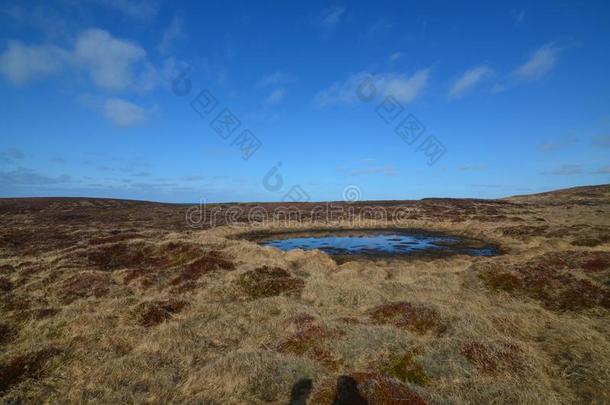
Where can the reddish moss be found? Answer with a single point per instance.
(324, 357)
(501, 280)
(26, 366)
(379, 389)
(144, 255)
(581, 294)
(588, 242)
(525, 231)
(596, 264)
(302, 320)
(152, 313)
(551, 279)
(416, 318)
(116, 256)
(30, 270)
(350, 320)
(309, 342)
(407, 369)
(305, 339)
(203, 265)
(133, 274)
(269, 282)
(114, 238)
(85, 285)
(178, 253)
(492, 359)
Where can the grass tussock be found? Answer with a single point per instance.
(270, 282)
(152, 313)
(83, 285)
(414, 317)
(494, 358)
(194, 270)
(406, 368)
(311, 341)
(29, 365)
(560, 281)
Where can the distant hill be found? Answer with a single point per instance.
(593, 193)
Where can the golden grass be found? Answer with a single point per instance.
(139, 309)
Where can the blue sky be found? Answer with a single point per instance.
(105, 98)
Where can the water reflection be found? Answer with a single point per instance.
(379, 242)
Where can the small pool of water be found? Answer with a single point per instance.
(379, 243)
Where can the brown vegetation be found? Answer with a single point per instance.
(491, 359)
(152, 313)
(269, 282)
(559, 280)
(417, 318)
(120, 302)
(368, 388)
(29, 365)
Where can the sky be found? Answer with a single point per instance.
(293, 101)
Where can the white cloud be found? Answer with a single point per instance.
(42, 17)
(554, 145)
(26, 177)
(389, 171)
(138, 9)
(124, 113)
(540, 63)
(332, 16)
(112, 63)
(404, 89)
(518, 16)
(566, 170)
(174, 31)
(275, 79)
(469, 80)
(276, 96)
(379, 28)
(395, 56)
(21, 63)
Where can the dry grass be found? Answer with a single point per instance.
(269, 282)
(113, 301)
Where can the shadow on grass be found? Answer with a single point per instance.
(347, 392)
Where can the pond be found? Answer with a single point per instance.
(379, 243)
